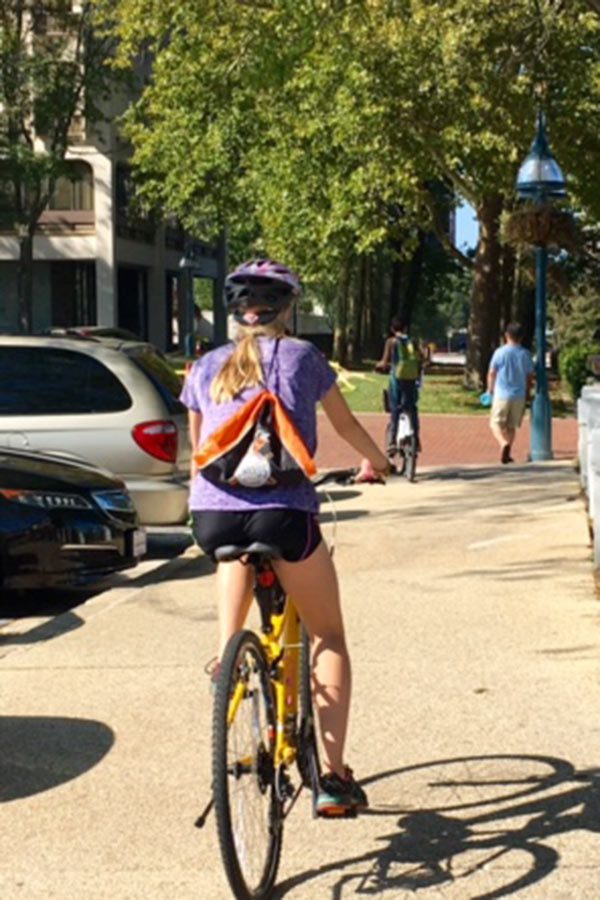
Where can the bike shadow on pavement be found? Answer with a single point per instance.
(329, 511)
(482, 826)
(38, 753)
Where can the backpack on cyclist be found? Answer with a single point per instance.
(406, 364)
(258, 447)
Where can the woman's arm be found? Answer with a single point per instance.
(349, 428)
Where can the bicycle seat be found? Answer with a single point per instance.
(230, 552)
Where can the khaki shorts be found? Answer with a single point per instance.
(507, 414)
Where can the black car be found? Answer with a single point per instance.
(62, 522)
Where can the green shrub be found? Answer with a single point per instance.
(574, 367)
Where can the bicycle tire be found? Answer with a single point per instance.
(401, 467)
(410, 457)
(309, 765)
(248, 812)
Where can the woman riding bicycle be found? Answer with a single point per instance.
(260, 295)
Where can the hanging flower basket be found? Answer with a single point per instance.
(541, 225)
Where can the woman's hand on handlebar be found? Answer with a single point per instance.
(370, 474)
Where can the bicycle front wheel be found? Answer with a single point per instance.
(248, 812)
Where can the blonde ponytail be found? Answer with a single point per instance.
(243, 369)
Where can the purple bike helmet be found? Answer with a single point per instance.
(260, 282)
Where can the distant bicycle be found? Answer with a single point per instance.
(407, 445)
(404, 442)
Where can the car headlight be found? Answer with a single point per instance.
(46, 499)
(114, 501)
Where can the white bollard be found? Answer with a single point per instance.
(594, 490)
(583, 413)
(588, 407)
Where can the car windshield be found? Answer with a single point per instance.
(161, 375)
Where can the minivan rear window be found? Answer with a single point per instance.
(52, 381)
(162, 376)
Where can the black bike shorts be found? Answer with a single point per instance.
(296, 533)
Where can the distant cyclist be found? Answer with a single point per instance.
(260, 295)
(403, 359)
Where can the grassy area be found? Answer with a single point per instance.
(442, 392)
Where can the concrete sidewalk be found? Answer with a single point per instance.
(475, 636)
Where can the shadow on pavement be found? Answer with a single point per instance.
(61, 624)
(520, 571)
(342, 515)
(21, 604)
(481, 820)
(477, 473)
(197, 567)
(39, 753)
(168, 544)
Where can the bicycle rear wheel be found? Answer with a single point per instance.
(308, 753)
(248, 812)
(410, 457)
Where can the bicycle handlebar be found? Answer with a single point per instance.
(344, 476)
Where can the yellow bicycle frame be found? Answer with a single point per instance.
(282, 648)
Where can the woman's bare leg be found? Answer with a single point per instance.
(234, 596)
(313, 585)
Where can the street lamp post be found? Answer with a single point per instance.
(186, 312)
(540, 178)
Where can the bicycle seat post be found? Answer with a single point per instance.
(264, 591)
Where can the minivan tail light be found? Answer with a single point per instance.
(157, 438)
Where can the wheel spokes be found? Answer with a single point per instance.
(250, 767)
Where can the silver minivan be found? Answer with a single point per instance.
(111, 402)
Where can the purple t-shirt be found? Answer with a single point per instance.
(300, 376)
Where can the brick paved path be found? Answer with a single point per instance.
(447, 440)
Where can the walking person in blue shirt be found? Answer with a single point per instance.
(509, 381)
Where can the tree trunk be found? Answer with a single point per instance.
(396, 282)
(25, 281)
(372, 318)
(381, 311)
(484, 320)
(507, 285)
(415, 271)
(340, 330)
(357, 303)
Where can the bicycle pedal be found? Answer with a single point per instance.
(338, 814)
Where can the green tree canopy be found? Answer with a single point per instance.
(326, 124)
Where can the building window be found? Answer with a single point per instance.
(131, 222)
(73, 293)
(75, 189)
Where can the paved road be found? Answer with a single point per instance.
(475, 636)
